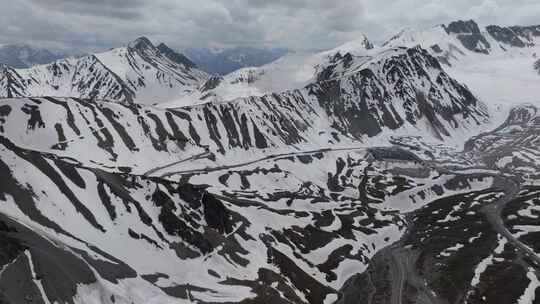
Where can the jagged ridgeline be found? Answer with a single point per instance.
(139, 72)
(451, 42)
(354, 100)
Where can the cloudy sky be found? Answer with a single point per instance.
(296, 24)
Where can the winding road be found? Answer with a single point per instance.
(233, 166)
(493, 212)
(401, 260)
(194, 157)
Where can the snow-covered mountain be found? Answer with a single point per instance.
(361, 174)
(400, 91)
(223, 61)
(496, 63)
(25, 56)
(121, 203)
(452, 41)
(292, 71)
(138, 72)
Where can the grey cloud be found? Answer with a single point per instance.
(298, 24)
(110, 8)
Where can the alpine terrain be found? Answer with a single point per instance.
(139, 72)
(404, 172)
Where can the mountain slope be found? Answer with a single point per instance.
(295, 228)
(86, 76)
(151, 74)
(292, 71)
(139, 72)
(400, 91)
(175, 57)
(77, 234)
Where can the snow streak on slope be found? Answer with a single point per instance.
(139, 72)
(77, 233)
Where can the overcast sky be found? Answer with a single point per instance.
(296, 24)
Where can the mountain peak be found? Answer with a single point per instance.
(462, 27)
(366, 42)
(141, 43)
(358, 45)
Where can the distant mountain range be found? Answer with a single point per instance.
(142, 72)
(448, 42)
(224, 61)
(25, 56)
(214, 61)
(138, 72)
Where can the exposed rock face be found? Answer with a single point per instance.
(505, 35)
(365, 93)
(175, 56)
(470, 36)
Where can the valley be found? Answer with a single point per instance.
(406, 172)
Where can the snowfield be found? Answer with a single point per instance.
(139, 178)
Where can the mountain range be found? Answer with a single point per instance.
(406, 172)
(25, 56)
(138, 72)
(223, 61)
